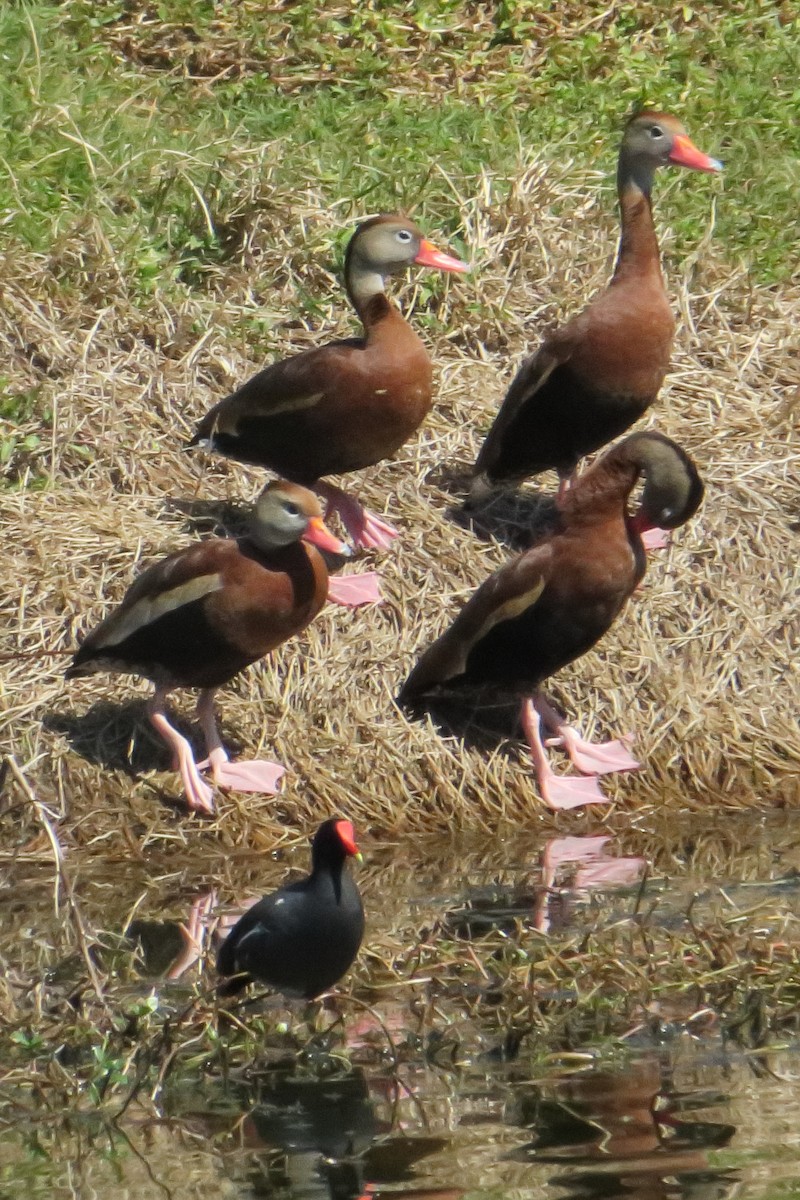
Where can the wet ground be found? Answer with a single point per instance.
(677, 1106)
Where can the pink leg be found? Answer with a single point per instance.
(564, 484)
(255, 776)
(589, 758)
(558, 791)
(655, 539)
(366, 529)
(195, 934)
(198, 793)
(354, 590)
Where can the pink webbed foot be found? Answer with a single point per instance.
(351, 591)
(366, 530)
(558, 791)
(655, 539)
(569, 791)
(596, 759)
(257, 775)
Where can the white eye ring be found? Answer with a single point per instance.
(291, 508)
(403, 235)
(656, 131)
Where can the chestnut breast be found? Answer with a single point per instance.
(626, 340)
(593, 571)
(266, 598)
(337, 409)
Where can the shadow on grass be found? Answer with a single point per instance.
(516, 519)
(486, 724)
(115, 736)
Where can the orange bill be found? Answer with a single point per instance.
(319, 535)
(684, 153)
(429, 256)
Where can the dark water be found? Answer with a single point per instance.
(684, 1116)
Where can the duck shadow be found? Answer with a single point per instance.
(218, 518)
(485, 726)
(118, 737)
(114, 736)
(515, 518)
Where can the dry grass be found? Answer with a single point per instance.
(700, 666)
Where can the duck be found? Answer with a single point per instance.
(555, 601)
(201, 615)
(594, 376)
(302, 938)
(348, 404)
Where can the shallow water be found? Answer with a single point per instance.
(676, 1115)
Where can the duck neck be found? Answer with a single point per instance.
(599, 494)
(366, 291)
(638, 255)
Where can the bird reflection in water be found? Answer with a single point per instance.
(619, 1133)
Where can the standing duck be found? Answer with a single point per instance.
(551, 604)
(201, 615)
(302, 938)
(593, 377)
(346, 405)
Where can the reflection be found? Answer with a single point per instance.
(304, 1138)
(623, 1136)
(596, 869)
(170, 948)
(570, 866)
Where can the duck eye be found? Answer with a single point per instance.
(292, 509)
(403, 235)
(656, 131)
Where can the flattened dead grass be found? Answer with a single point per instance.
(701, 666)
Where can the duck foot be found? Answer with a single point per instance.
(199, 796)
(366, 530)
(590, 758)
(258, 775)
(558, 791)
(655, 538)
(355, 590)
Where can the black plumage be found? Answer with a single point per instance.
(302, 938)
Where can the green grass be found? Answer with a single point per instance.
(373, 110)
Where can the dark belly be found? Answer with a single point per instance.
(562, 422)
(305, 447)
(179, 649)
(517, 656)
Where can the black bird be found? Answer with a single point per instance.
(302, 938)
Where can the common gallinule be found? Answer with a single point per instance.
(302, 938)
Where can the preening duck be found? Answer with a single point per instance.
(551, 604)
(594, 376)
(201, 615)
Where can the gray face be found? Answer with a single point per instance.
(672, 487)
(388, 247)
(652, 138)
(278, 518)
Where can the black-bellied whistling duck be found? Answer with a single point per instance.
(201, 615)
(593, 377)
(346, 405)
(302, 938)
(551, 604)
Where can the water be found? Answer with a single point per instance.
(681, 1113)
